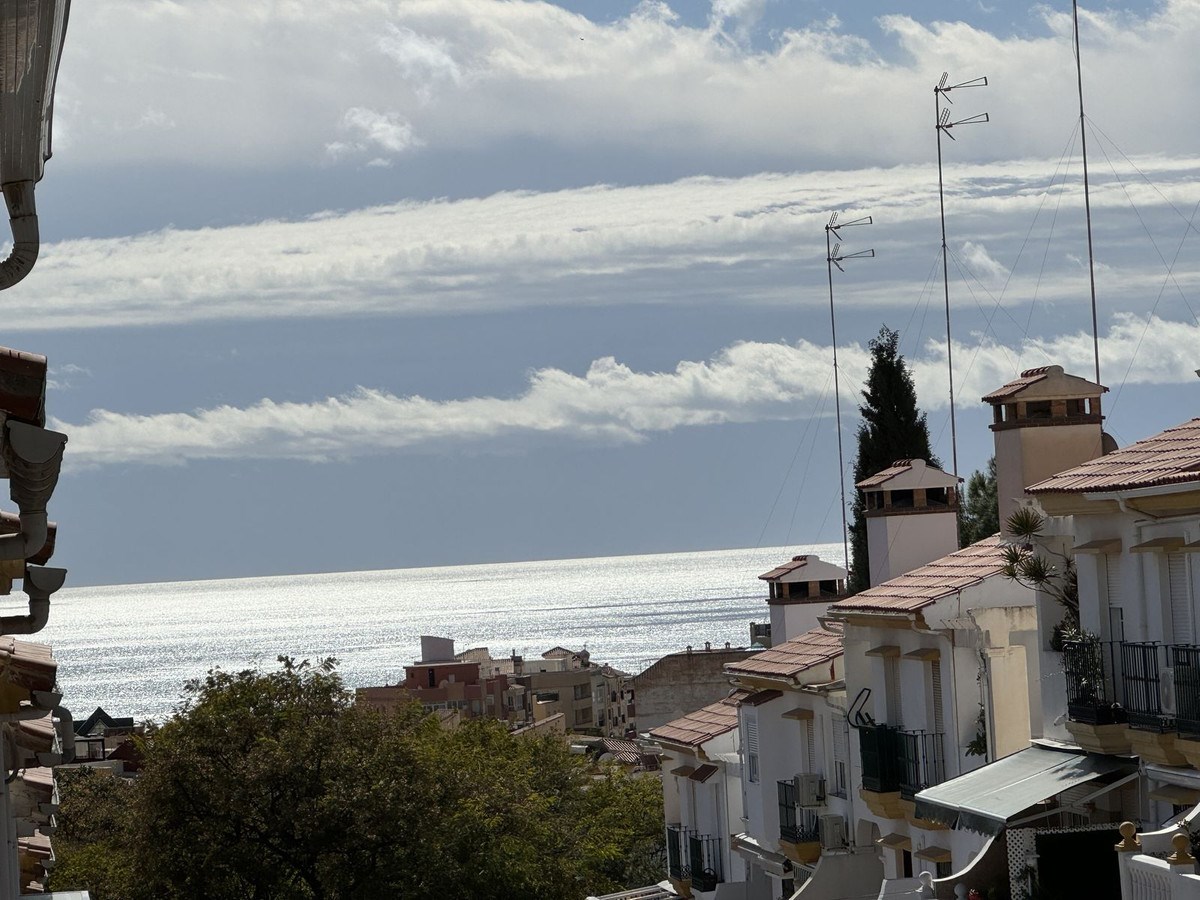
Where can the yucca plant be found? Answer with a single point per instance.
(1037, 567)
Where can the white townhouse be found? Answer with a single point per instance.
(1132, 684)
(796, 774)
(702, 798)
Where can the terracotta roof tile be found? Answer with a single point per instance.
(929, 583)
(813, 648)
(1028, 377)
(899, 467)
(703, 725)
(1170, 457)
(798, 562)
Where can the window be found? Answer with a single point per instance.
(942, 870)
(752, 750)
(1182, 625)
(841, 740)
(810, 747)
(891, 682)
(432, 678)
(935, 694)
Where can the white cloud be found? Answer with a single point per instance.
(746, 382)
(373, 131)
(464, 73)
(980, 262)
(742, 240)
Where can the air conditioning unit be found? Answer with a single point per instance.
(810, 789)
(832, 829)
(1166, 683)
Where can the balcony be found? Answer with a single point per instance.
(880, 750)
(677, 850)
(1141, 667)
(894, 760)
(922, 761)
(1088, 666)
(705, 858)
(1185, 661)
(796, 823)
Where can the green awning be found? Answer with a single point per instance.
(986, 799)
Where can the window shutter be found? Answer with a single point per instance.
(810, 736)
(1182, 630)
(935, 683)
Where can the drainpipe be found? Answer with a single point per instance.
(33, 457)
(22, 219)
(39, 583)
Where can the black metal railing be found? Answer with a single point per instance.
(796, 824)
(879, 746)
(678, 866)
(1088, 667)
(922, 761)
(1141, 665)
(1185, 660)
(705, 858)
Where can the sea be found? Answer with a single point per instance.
(131, 648)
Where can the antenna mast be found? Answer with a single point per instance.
(835, 257)
(1087, 196)
(943, 124)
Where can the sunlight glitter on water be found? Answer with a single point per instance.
(130, 648)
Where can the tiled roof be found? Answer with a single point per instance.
(798, 562)
(813, 648)
(1033, 376)
(899, 467)
(1170, 457)
(703, 725)
(1028, 377)
(925, 585)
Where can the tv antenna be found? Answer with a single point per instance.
(943, 124)
(1087, 197)
(835, 257)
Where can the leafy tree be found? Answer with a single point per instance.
(980, 510)
(892, 428)
(275, 785)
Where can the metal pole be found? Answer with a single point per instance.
(837, 399)
(1087, 200)
(937, 107)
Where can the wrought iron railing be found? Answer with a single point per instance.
(879, 746)
(922, 761)
(705, 858)
(1088, 667)
(678, 863)
(796, 824)
(1141, 669)
(1185, 661)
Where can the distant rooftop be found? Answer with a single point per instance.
(701, 726)
(786, 660)
(1052, 380)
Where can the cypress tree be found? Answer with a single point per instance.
(892, 428)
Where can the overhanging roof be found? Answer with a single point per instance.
(986, 799)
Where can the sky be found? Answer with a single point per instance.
(391, 283)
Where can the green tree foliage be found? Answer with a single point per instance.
(275, 785)
(892, 428)
(980, 510)
(1036, 566)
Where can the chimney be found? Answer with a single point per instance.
(911, 510)
(800, 593)
(1044, 422)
